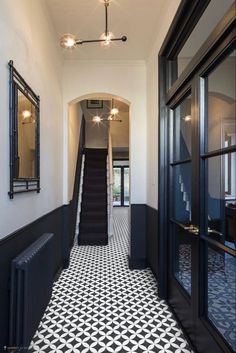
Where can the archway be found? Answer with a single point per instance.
(117, 140)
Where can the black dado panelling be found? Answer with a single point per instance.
(14, 244)
(137, 252)
(152, 239)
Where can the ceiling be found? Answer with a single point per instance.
(137, 19)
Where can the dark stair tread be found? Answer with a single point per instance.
(97, 213)
(92, 207)
(95, 183)
(97, 162)
(93, 227)
(100, 162)
(96, 190)
(93, 214)
(91, 197)
(95, 178)
(94, 203)
(95, 151)
(95, 173)
(92, 219)
(94, 193)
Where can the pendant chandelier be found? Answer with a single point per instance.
(112, 115)
(69, 41)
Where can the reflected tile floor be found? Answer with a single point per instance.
(99, 305)
(221, 289)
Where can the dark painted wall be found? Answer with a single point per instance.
(14, 244)
(137, 251)
(152, 239)
(144, 238)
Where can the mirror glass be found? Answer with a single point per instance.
(25, 159)
(24, 114)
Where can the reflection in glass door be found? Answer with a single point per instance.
(219, 233)
(181, 196)
(203, 173)
(121, 186)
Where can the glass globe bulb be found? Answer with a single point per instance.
(187, 118)
(106, 39)
(26, 114)
(97, 119)
(114, 111)
(68, 41)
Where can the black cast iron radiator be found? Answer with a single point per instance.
(31, 289)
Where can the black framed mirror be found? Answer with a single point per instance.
(24, 136)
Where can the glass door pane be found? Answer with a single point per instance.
(221, 293)
(181, 194)
(182, 203)
(221, 96)
(126, 186)
(183, 254)
(117, 187)
(182, 130)
(220, 198)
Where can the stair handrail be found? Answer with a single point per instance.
(110, 185)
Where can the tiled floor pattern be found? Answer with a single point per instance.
(98, 305)
(221, 302)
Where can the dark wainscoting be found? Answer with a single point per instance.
(152, 239)
(54, 222)
(143, 240)
(137, 251)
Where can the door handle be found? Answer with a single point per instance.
(190, 228)
(209, 230)
(193, 229)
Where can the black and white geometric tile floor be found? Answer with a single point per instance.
(98, 305)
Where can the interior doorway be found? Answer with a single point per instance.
(106, 128)
(121, 184)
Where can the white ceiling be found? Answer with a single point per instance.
(137, 19)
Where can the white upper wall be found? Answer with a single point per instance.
(167, 14)
(28, 38)
(120, 131)
(125, 79)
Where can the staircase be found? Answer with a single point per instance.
(93, 215)
(185, 198)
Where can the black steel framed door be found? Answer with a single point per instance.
(197, 179)
(202, 204)
(183, 223)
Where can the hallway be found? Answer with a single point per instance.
(99, 305)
